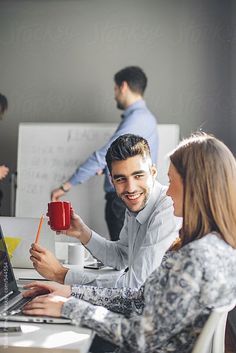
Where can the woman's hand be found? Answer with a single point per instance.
(49, 305)
(39, 288)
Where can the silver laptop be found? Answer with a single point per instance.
(26, 229)
(11, 299)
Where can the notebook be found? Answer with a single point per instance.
(11, 299)
(26, 229)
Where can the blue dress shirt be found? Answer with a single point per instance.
(136, 119)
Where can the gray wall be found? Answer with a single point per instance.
(232, 38)
(231, 35)
(58, 59)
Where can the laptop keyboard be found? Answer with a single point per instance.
(16, 308)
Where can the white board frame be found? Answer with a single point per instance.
(48, 154)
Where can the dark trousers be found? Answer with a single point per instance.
(114, 214)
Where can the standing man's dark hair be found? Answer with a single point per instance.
(127, 146)
(135, 78)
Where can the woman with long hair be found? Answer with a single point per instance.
(196, 275)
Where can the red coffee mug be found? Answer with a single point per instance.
(59, 213)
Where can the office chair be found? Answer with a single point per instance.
(212, 336)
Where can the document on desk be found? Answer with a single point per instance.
(26, 274)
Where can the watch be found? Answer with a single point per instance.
(62, 188)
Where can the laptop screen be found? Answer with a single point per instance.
(7, 278)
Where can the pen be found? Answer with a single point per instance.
(39, 229)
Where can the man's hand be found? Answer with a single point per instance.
(47, 264)
(49, 305)
(38, 288)
(56, 194)
(3, 171)
(78, 229)
(100, 172)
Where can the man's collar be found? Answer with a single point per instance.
(138, 104)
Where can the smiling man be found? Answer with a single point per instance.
(149, 228)
(132, 171)
(133, 186)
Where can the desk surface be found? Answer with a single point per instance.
(37, 338)
(41, 337)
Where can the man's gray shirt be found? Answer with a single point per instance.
(144, 239)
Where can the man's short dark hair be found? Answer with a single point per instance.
(3, 103)
(135, 78)
(126, 146)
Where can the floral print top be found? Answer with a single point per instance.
(169, 311)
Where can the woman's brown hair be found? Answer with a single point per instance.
(208, 171)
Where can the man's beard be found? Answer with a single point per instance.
(119, 105)
(143, 205)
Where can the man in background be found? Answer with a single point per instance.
(130, 85)
(3, 105)
(3, 169)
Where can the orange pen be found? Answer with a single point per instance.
(39, 229)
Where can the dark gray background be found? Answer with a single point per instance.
(58, 59)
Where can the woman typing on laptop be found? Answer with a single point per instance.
(198, 274)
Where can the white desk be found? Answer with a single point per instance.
(37, 338)
(43, 337)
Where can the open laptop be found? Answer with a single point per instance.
(26, 229)
(11, 299)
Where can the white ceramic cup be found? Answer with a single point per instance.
(61, 250)
(76, 255)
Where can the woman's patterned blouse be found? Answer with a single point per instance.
(169, 311)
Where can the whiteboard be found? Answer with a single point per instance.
(49, 153)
